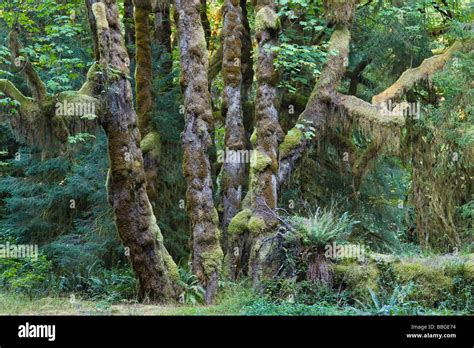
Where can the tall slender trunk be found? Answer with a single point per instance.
(207, 253)
(93, 27)
(233, 171)
(163, 36)
(128, 16)
(264, 169)
(136, 224)
(251, 226)
(150, 143)
(205, 21)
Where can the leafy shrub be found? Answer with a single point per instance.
(323, 227)
(27, 276)
(193, 293)
(267, 307)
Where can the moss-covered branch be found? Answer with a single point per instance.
(10, 90)
(423, 72)
(35, 84)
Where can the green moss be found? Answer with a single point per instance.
(259, 161)
(256, 225)
(266, 19)
(151, 143)
(239, 222)
(171, 267)
(291, 141)
(212, 260)
(253, 138)
(358, 278)
(431, 283)
(215, 217)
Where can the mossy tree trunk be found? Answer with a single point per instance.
(163, 36)
(136, 224)
(150, 143)
(207, 253)
(205, 21)
(233, 171)
(128, 21)
(251, 226)
(92, 25)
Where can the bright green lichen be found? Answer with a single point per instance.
(256, 225)
(291, 141)
(253, 138)
(259, 161)
(239, 222)
(212, 261)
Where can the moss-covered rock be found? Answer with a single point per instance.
(359, 278)
(433, 279)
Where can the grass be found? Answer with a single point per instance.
(230, 302)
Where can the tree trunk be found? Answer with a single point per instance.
(93, 27)
(128, 16)
(163, 37)
(233, 171)
(134, 217)
(150, 143)
(207, 253)
(205, 21)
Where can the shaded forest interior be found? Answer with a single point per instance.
(265, 156)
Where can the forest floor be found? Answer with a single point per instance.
(12, 304)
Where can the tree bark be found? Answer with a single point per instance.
(233, 171)
(150, 144)
(136, 224)
(163, 36)
(93, 27)
(207, 252)
(128, 21)
(205, 21)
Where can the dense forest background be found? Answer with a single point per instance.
(281, 75)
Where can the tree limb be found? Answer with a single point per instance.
(35, 84)
(423, 72)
